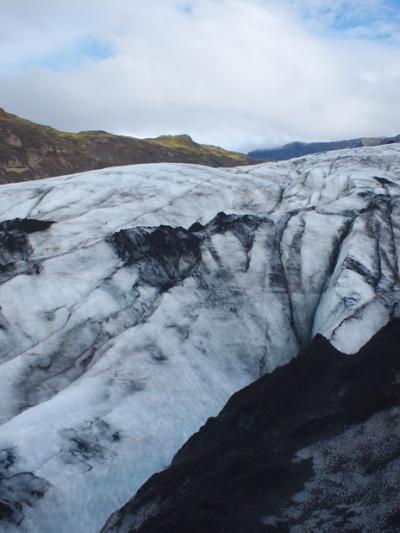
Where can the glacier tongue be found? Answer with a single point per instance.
(147, 295)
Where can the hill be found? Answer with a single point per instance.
(31, 151)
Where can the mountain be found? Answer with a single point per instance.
(136, 300)
(31, 151)
(298, 149)
(314, 446)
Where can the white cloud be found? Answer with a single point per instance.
(238, 73)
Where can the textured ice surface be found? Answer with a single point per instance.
(158, 291)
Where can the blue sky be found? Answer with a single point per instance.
(66, 56)
(369, 20)
(379, 23)
(71, 56)
(240, 73)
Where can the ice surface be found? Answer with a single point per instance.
(114, 350)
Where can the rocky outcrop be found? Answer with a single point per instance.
(31, 151)
(314, 446)
(15, 248)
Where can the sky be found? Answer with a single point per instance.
(237, 73)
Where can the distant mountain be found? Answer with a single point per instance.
(31, 151)
(298, 149)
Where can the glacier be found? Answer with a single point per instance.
(136, 300)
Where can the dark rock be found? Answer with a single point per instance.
(196, 227)
(314, 446)
(14, 241)
(25, 225)
(164, 255)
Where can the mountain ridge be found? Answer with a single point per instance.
(299, 149)
(31, 151)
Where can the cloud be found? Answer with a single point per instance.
(240, 73)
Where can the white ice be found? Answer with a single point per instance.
(103, 378)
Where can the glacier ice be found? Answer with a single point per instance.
(148, 294)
